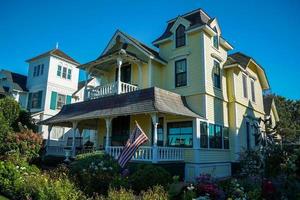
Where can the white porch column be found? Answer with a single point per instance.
(196, 140)
(74, 128)
(140, 73)
(49, 132)
(154, 146)
(119, 65)
(85, 94)
(108, 131)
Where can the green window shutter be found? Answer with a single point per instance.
(53, 100)
(69, 98)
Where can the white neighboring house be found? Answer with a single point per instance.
(14, 85)
(52, 80)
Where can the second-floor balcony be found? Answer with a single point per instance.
(117, 87)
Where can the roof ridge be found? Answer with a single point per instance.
(189, 13)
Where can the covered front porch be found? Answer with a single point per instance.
(163, 116)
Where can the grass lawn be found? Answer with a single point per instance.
(3, 198)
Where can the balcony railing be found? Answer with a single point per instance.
(110, 89)
(146, 153)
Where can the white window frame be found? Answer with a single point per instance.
(62, 103)
(245, 87)
(252, 87)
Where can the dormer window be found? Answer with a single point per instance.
(180, 36)
(216, 39)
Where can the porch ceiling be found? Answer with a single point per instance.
(148, 100)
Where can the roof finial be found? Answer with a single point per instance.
(56, 47)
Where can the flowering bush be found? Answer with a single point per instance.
(236, 190)
(27, 182)
(95, 172)
(27, 143)
(206, 185)
(155, 193)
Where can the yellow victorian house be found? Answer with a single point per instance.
(198, 104)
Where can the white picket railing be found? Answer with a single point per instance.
(145, 153)
(110, 89)
(170, 154)
(126, 87)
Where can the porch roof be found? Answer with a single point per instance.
(148, 100)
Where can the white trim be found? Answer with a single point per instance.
(187, 72)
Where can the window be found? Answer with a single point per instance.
(216, 39)
(245, 86)
(42, 69)
(180, 73)
(180, 36)
(64, 73)
(69, 74)
(217, 74)
(215, 136)
(38, 70)
(225, 138)
(252, 91)
(58, 73)
(203, 136)
(57, 133)
(35, 100)
(61, 101)
(180, 134)
(34, 71)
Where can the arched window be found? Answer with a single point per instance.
(216, 39)
(180, 36)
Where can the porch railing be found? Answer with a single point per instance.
(145, 153)
(110, 89)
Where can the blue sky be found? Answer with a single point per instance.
(266, 30)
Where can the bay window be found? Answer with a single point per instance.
(180, 134)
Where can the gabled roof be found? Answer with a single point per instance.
(148, 50)
(54, 52)
(196, 17)
(148, 100)
(242, 60)
(18, 80)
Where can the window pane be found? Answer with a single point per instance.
(245, 86)
(38, 70)
(64, 73)
(252, 91)
(69, 74)
(203, 135)
(180, 36)
(226, 137)
(42, 69)
(217, 74)
(58, 70)
(34, 71)
(180, 134)
(61, 101)
(216, 41)
(180, 73)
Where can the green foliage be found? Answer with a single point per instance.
(26, 120)
(155, 193)
(10, 109)
(121, 194)
(251, 162)
(5, 130)
(95, 172)
(148, 176)
(27, 182)
(289, 115)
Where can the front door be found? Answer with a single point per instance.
(120, 130)
(125, 73)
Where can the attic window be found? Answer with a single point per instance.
(180, 36)
(216, 38)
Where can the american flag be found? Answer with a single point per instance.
(136, 139)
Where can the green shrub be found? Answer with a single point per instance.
(27, 182)
(27, 143)
(26, 120)
(95, 172)
(148, 176)
(155, 193)
(10, 109)
(121, 194)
